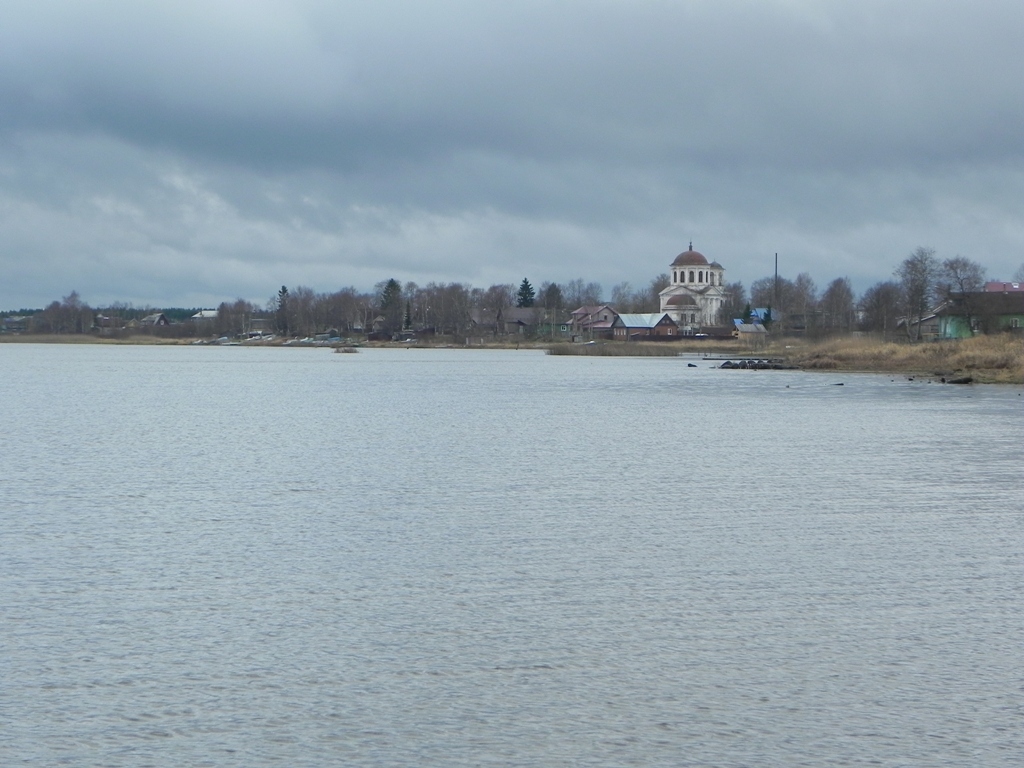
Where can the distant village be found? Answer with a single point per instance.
(927, 299)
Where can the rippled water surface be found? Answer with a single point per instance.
(255, 557)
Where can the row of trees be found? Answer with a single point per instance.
(919, 283)
(445, 307)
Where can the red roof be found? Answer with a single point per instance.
(682, 300)
(690, 258)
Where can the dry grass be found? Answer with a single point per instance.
(86, 338)
(615, 349)
(998, 358)
(992, 359)
(647, 348)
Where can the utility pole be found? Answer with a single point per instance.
(775, 291)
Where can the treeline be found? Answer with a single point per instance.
(72, 315)
(443, 308)
(920, 283)
(797, 306)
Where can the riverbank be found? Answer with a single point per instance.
(986, 359)
(86, 338)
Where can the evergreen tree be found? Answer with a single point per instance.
(747, 314)
(526, 295)
(391, 305)
(282, 310)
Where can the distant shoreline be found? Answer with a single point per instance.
(997, 359)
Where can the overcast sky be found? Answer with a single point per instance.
(186, 153)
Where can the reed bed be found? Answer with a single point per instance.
(617, 349)
(998, 358)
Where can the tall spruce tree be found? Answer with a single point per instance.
(526, 295)
(391, 305)
(281, 315)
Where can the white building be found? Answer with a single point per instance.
(695, 292)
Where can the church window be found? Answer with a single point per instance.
(700, 277)
(691, 275)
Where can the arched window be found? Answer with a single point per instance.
(675, 277)
(700, 277)
(691, 275)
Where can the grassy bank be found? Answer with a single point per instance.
(987, 359)
(86, 338)
(615, 349)
(648, 348)
(993, 359)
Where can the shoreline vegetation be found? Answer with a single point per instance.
(995, 359)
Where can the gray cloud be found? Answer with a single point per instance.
(196, 152)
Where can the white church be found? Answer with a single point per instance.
(696, 291)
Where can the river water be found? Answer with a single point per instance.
(281, 557)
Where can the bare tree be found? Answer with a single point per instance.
(498, 297)
(917, 275)
(550, 297)
(837, 306)
(880, 307)
(343, 309)
(652, 302)
(1018, 276)
(579, 294)
(302, 311)
(959, 275)
(776, 294)
(959, 280)
(551, 302)
(622, 297)
(234, 318)
(447, 307)
(805, 302)
(734, 303)
(69, 315)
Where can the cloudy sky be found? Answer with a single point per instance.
(183, 153)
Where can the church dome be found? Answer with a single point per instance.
(690, 258)
(716, 265)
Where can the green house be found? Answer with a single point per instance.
(965, 315)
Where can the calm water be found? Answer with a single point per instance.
(255, 557)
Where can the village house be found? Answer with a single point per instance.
(649, 325)
(519, 321)
(204, 319)
(981, 312)
(15, 324)
(157, 319)
(753, 335)
(593, 322)
(995, 286)
(927, 329)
